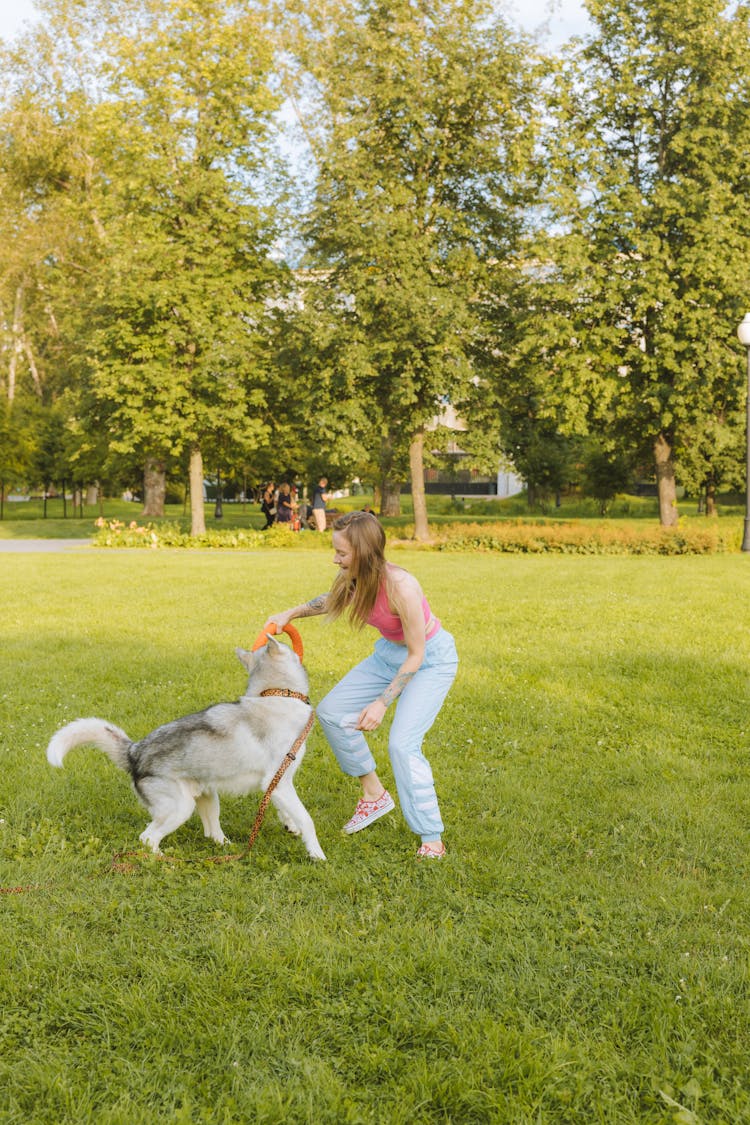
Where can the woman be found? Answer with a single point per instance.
(414, 661)
(268, 505)
(284, 504)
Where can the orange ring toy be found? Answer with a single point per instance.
(273, 629)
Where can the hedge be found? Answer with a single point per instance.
(518, 537)
(510, 537)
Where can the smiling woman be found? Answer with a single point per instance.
(414, 662)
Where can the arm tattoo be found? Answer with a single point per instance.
(314, 607)
(394, 689)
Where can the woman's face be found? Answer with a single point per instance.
(343, 556)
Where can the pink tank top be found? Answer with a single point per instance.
(389, 624)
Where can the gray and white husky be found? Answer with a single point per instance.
(228, 748)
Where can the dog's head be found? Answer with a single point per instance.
(275, 665)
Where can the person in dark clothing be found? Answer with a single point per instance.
(268, 505)
(284, 505)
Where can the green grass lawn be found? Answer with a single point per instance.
(581, 955)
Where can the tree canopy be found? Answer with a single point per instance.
(552, 245)
(648, 183)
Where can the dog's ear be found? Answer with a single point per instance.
(278, 649)
(246, 658)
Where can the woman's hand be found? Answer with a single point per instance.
(372, 716)
(279, 620)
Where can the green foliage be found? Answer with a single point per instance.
(543, 456)
(178, 334)
(516, 537)
(580, 956)
(428, 127)
(605, 473)
(512, 536)
(116, 533)
(16, 443)
(554, 247)
(148, 225)
(647, 269)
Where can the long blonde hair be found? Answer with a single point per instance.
(357, 590)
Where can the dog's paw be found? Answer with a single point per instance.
(151, 842)
(290, 825)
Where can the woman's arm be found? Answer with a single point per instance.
(313, 608)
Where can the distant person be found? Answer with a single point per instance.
(285, 505)
(268, 504)
(320, 500)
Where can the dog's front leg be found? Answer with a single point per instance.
(207, 805)
(290, 808)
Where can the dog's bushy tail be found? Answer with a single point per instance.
(92, 732)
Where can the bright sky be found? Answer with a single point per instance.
(555, 20)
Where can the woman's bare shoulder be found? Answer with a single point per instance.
(402, 586)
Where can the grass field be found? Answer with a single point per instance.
(581, 955)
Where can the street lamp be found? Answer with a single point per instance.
(743, 335)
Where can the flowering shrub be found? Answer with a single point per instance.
(511, 536)
(115, 533)
(518, 537)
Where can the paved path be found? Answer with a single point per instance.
(19, 545)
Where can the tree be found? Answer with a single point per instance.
(16, 448)
(712, 458)
(44, 225)
(605, 473)
(49, 463)
(157, 120)
(649, 184)
(421, 172)
(315, 421)
(179, 315)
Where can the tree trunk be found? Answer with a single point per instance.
(154, 487)
(92, 495)
(390, 497)
(29, 353)
(17, 343)
(390, 487)
(711, 497)
(416, 470)
(665, 482)
(197, 513)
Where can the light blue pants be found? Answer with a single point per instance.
(416, 710)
